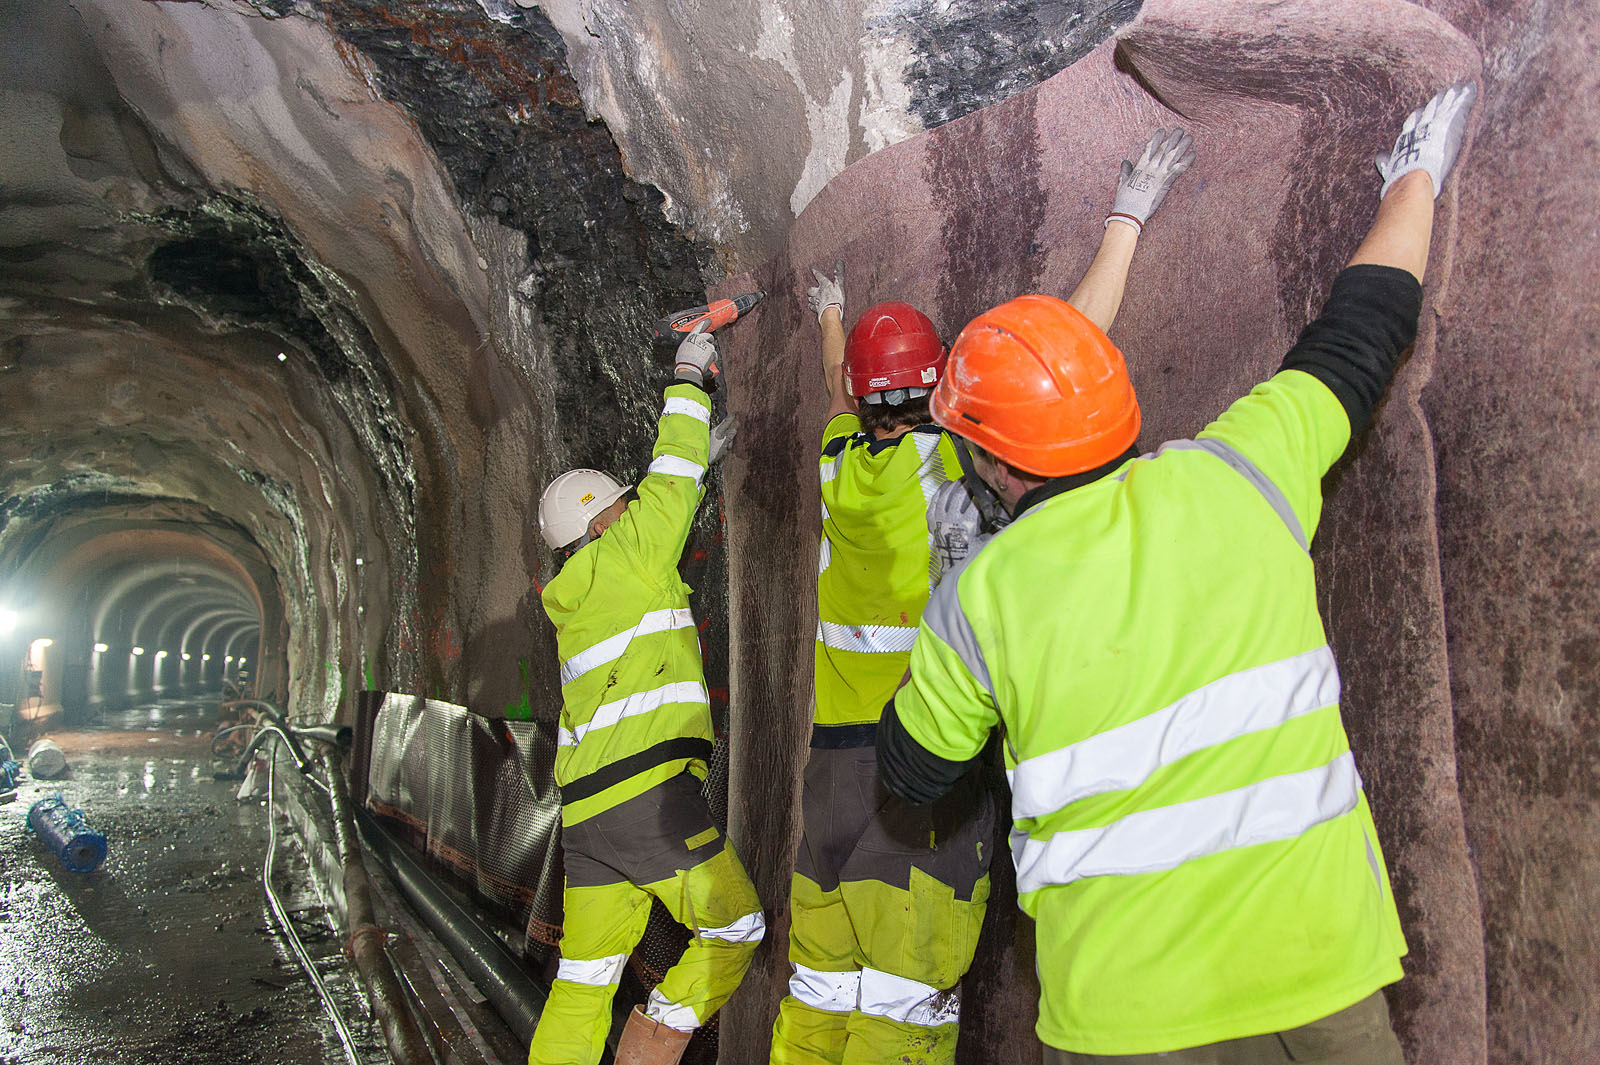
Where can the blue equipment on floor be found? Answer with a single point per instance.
(67, 833)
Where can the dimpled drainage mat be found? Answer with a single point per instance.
(479, 796)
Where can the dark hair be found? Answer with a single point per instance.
(885, 417)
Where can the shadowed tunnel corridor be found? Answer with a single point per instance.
(304, 302)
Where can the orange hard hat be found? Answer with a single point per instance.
(1037, 384)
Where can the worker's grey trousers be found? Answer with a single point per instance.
(1359, 1035)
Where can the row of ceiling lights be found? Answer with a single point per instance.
(102, 648)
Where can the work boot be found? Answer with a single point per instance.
(647, 1042)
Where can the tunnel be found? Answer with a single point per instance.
(303, 303)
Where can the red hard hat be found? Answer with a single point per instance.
(893, 345)
(1037, 384)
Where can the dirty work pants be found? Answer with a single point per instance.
(1359, 1035)
(662, 844)
(885, 908)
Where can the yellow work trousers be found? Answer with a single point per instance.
(662, 845)
(886, 905)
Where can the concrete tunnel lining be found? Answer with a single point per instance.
(444, 356)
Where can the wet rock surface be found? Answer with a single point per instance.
(165, 953)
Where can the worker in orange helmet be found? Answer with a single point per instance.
(888, 897)
(1190, 832)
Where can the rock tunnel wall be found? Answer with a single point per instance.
(456, 221)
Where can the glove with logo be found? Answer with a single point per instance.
(1430, 138)
(956, 528)
(697, 360)
(1143, 185)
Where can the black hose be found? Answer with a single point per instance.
(488, 962)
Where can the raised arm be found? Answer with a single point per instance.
(1140, 189)
(826, 298)
(1291, 429)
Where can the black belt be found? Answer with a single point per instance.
(631, 766)
(843, 737)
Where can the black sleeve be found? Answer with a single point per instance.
(1369, 321)
(909, 769)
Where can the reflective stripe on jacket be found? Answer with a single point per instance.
(634, 711)
(875, 562)
(1190, 830)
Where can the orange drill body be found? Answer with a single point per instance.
(716, 314)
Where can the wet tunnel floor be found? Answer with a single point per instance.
(167, 953)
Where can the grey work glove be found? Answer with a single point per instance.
(956, 528)
(722, 435)
(1143, 185)
(697, 359)
(1430, 138)
(827, 292)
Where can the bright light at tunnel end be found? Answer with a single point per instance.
(8, 620)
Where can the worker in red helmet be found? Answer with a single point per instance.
(1190, 831)
(888, 897)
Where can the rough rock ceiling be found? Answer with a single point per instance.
(336, 285)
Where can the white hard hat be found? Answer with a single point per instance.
(572, 501)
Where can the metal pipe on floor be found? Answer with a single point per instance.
(297, 948)
(407, 1045)
(278, 718)
(487, 961)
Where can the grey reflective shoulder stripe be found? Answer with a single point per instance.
(946, 620)
(1248, 470)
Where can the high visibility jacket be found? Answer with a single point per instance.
(1190, 829)
(874, 571)
(634, 710)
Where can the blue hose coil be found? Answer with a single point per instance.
(10, 773)
(66, 832)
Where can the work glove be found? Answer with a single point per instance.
(827, 292)
(697, 359)
(955, 527)
(1430, 138)
(1143, 185)
(722, 435)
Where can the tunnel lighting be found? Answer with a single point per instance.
(241, 660)
(229, 658)
(282, 357)
(161, 654)
(8, 620)
(205, 658)
(138, 650)
(361, 562)
(187, 656)
(43, 642)
(101, 648)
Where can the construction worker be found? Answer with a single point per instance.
(634, 739)
(887, 897)
(1190, 832)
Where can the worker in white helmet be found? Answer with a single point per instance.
(634, 742)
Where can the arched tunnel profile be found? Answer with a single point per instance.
(140, 609)
(303, 304)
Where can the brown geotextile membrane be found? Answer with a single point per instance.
(1457, 544)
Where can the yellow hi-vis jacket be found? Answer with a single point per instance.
(1191, 834)
(874, 570)
(634, 710)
